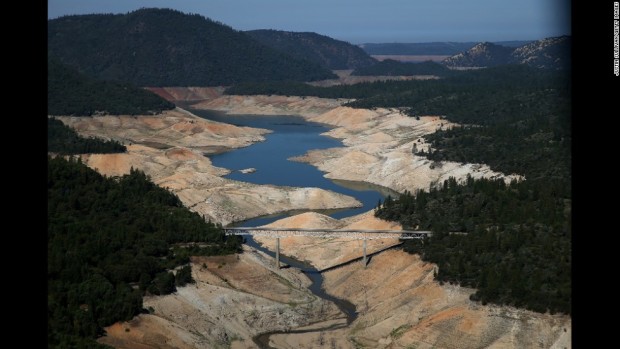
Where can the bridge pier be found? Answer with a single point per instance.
(277, 253)
(364, 259)
(358, 234)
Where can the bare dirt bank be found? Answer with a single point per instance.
(170, 149)
(401, 306)
(324, 253)
(270, 105)
(174, 128)
(234, 298)
(379, 149)
(345, 78)
(187, 93)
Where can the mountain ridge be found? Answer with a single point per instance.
(484, 54)
(329, 52)
(175, 49)
(430, 48)
(550, 53)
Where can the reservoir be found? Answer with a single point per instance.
(291, 136)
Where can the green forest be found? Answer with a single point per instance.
(320, 49)
(110, 241)
(464, 96)
(63, 140)
(512, 242)
(390, 67)
(72, 93)
(422, 48)
(175, 49)
(517, 247)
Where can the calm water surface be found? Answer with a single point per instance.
(292, 136)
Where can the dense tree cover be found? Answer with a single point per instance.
(62, 139)
(109, 241)
(320, 49)
(464, 96)
(516, 249)
(526, 127)
(72, 93)
(420, 48)
(479, 97)
(537, 146)
(163, 47)
(390, 67)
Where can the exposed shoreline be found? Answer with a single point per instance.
(378, 144)
(238, 297)
(170, 148)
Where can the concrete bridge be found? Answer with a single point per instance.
(357, 234)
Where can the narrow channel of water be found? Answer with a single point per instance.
(316, 287)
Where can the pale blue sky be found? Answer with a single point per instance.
(365, 21)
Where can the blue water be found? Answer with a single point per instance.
(292, 136)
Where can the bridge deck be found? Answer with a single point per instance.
(365, 234)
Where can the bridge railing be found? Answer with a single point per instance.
(329, 233)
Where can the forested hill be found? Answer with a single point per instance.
(331, 53)
(72, 93)
(109, 242)
(484, 54)
(514, 241)
(163, 47)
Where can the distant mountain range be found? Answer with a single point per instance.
(484, 54)
(429, 48)
(162, 47)
(550, 53)
(320, 49)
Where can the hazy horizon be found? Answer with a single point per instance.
(365, 21)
